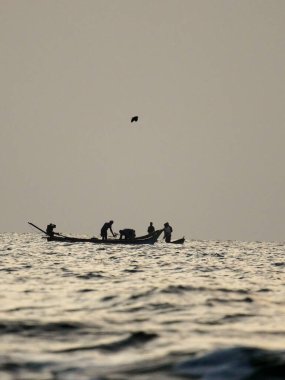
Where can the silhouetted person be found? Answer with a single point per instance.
(50, 229)
(167, 232)
(134, 118)
(127, 233)
(107, 226)
(151, 228)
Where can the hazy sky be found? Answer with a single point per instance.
(207, 79)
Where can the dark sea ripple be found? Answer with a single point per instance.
(209, 310)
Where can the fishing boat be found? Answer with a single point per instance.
(146, 239)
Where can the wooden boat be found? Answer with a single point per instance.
(146, 239)
(151, 239)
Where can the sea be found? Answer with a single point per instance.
(205, 310)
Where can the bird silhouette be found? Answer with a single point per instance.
(134, 118)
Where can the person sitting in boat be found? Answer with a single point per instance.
(107, 226)
(50, 229)
(151, 228)
(167, 232)
(127, 233)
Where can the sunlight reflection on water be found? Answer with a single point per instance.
(141, 307)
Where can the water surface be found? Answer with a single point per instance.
(211, 310)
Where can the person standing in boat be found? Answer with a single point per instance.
(107, 226)
(151, 228)
(167, 232)
(50, 229)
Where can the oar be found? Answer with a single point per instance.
(38, 228)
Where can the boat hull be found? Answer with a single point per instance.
(148, 239)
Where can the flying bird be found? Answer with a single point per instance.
(134, 118)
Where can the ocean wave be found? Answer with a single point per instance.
(89, 276)
(34, 328)
(229, 300)
(135, 339)
(177, 289)
(239, 363)
(229, 318)
(236, 363)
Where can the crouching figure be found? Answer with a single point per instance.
(127, 233)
